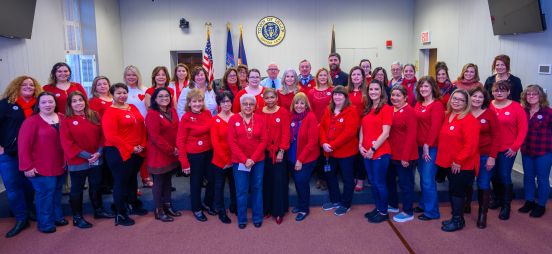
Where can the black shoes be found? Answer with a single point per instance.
(371, 214)
(123, 220)
(378, 218)
(200, 216)
(210, 210)
(242, 226)
(167, 208)
(424, 217)
(258, 224)
(137, 209)
(48, 231)
(100, 213)
(538, 211)
(527, 207)
(19, 226)
(162, 216)
(62, 222)
(418, 209)
(80, 222)
(454, 224)
(301, 216)
(224, 218)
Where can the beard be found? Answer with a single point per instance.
(334, 67)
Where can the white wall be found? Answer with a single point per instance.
(109, 39)
(150, 30)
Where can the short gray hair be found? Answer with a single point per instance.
(248, 97)
(397, 63)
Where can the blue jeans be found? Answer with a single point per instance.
(537, 166)
(406, 184)
(301, 179)
(376, 170)
(427, 171)
(346, 169)
(504, 167)
(245, 180)
(484, 176)
(18, 188)
(48, 200)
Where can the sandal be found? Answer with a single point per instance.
(147, 182)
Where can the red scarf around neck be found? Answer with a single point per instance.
(27, 106)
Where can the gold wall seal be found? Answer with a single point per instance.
(271, 31)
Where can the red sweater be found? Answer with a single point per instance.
(430, 118)
(236, 106)
(124, 129)
(80, 138)
(308, 148)
(151, 90)
(319, 101)
(277, 126)
(402, 137)
(356, 100)
(61, 95)
(489, 133)
(284, 100)
(99, 105)
(161, 141)
(466, 85)
(219, 139)
(193, 135)
(308, 87)
(513, 126)
(372, 127)
(39, 147)
(340, 132)
(246, 146)
(459, 143)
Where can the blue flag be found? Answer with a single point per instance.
(242, 59)
(229, 50)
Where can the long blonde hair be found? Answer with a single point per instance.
(135, 70)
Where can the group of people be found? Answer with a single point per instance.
(255, 134)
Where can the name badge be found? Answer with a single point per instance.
(539, 117)
(277, 119)
(507, 113)
(15, 107)
(451, 128)
(75, 123)
(483, 121)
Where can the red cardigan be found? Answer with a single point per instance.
(219, 139)
(319, 101)
(99, 105)
(277, 126)
(39, 147)
(161, 141)
(459, 143)
(340, 132)
(124, 129)
(489, 133)
(308, 148)
(513, 126)
(430, 118)
(80, 138)
(402, 137)
(61, 95)
(247, 147)
(284, 100)
(372, 127)
(236, 106)
(193, 135)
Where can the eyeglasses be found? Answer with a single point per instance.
(532, 94)
(225, 101)
(454, 99)
(248, 104)
(232, 75)
(499, 91)
(271, 69)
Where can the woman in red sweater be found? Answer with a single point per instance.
(101, 98)
(180, 79)
(489, 140)
(125, 141)
(290, 87)
(374, 147)
(469, 77)
(160, 77)
(254, 88)
(339, 140)
(513, 129)
(458, 154)
(196, 152)
(162, 126)
(61, 85)
(275, 179)
(443, 81)
(404, 154)
(221, 156)
(82, 142)
(303, 151)
(409, 83)
(429, 113)
(247, 137)
(46, 171)
(359, 98)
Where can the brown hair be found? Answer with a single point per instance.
(363, 87)
(341, 90)
(156, 71)
(502, 85)
(95, 84)
(486, 96)
(196, 70)
(330, 82)
(505, 59)
(175, 78)
(12, 91)
(465, 68)
(435, 91)
(300, 96)
(543, 99)
(382, 99)
(224, 81)
(89, 114)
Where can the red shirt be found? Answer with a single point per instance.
(308, 148)
(513, 126)
(193, 135)
(319, 101)
(308, 87)
(489, 134)
(372, 127)
(39, 147)
(358, 102)
(61, 95)
(284, 100)
(340, 132)
(161, 141)
(459, 143)
(247, 145)
(219, 139)
(99, 105)
(430, 118)
(402, 136)
(236, 106)
(79, 136)
(151, 90)
(124, 129)
(277, 126)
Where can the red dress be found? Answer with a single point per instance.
(319, 101)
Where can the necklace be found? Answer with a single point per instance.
(248, 127)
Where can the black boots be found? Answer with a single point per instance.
(167, 208)
(483, 196)
(19, 226)
(136, 208)
(162, 216)
(469, 195)
(496, 202)
(506, 201)
(457, 222)
(80, 222)
(97, 204)
(76, 207)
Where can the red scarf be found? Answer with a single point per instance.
(26, 106)
(410, 85)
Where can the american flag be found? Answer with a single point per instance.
(208, 58)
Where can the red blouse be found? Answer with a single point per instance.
(247, 144)
(356, 100)
(308, 87)
(489, 134)
(61, 95)
(319, 101)
(372, 127)
(402, 136)
(236, 106)
(99, 105)
(219, 139)
(284, 100)
(513, 126)
(124, 129)
(193, 135)
(459, 143)
(161, 141)
(340, 132)
(79, 136)
(277, 126)
(430, 118)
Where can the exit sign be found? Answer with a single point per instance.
(425, 37)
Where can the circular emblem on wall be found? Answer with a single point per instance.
(270, 31)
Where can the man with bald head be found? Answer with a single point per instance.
(306, 79)
(272, 80)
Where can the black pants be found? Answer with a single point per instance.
(275, 187)
(162, 184)
(458, 183)
(107, 179)
(200, 168)
(124, 174)
(78, 179)
(359, 170)
(220, 179)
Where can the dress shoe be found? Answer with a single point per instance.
(162, 216)
(19, 226)
(267, 215)
(242, 226)
(169, 210)
(371, 214)
(527, 207)
(424, 217)
(101, 213)
(258, 224)
(62, 222)
(200, 216)
(210, 210)
(279, 219)
(538, 211)
(224, 218)
(49, 231)
(232, 209)
(301, 216)
(137, 209)
(80, 222)
(32, 214)
(123, 220)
